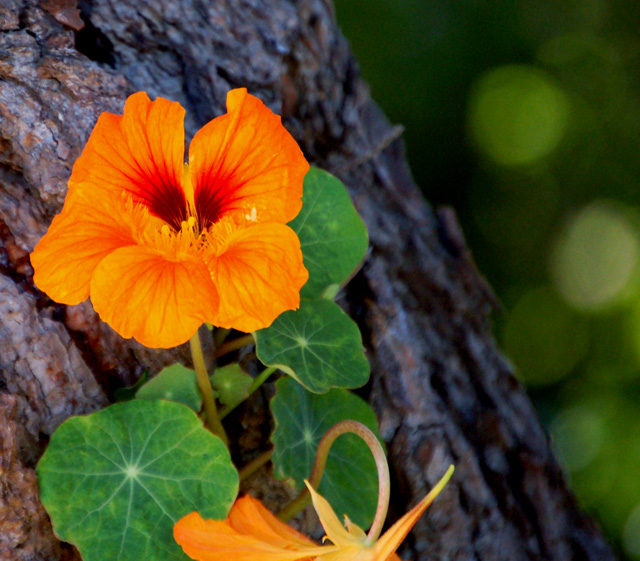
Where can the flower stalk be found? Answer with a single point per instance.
(255, 464)
(322, 454)
(212, 421)
(233, 345)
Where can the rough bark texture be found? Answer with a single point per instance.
(442, 390)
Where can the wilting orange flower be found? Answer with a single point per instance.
(252, 533)
(161, 246)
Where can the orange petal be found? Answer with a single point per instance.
(250, 516)
(82, 235)
(246, 160)
(386, 546)
(258, 273)
(141, 153)
(213, 540)
(160, 302)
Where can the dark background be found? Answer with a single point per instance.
(525, 117)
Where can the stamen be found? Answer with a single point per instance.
(217, 234)
(166, 231)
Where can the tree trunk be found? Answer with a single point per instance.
(443, 392)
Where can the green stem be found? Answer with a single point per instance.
(219, 335)
(384, 484)
(296, 506)
(255, 464)
(234, 345)
(212, 421)
(257, 382)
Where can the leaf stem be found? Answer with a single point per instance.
(212, 421)
(257, 382)
(255, 464)
(234, 345)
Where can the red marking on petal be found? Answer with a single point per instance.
(140, 153)
(246, 160)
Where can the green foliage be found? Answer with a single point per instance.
(350, 481)
(115, 482)
(128, 393)
(333, 237)
(231, 384)
(318, 344)
(174, 383)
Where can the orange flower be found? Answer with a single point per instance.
(161, 246)
(252, 533)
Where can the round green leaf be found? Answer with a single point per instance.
(350, 481)
(175, 383)
(115, 482)
(318, 344)
(333, 237)
(231, 383)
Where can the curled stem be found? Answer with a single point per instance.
(212, 421)
(384, 485)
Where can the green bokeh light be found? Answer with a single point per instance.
(517, 115)
(595, 258)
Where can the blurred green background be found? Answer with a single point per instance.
(525, 117)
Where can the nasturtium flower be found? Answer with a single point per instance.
(252, 533)
(161, 246)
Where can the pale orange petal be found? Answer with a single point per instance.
(393, 537)
(159, 302)
(82, 235)
(250, 516)
(212, 540)
(354, 529)
(258, 272)
(351, 552)
(141, 153)
(246, 160)
(355, 553)
(336, 532)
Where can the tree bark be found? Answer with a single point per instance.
(443, 392)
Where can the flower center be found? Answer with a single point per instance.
(168, 203)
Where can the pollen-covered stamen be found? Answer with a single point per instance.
(217, 235)
(190, 223)
(176, 244)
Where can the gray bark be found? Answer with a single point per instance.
(443, 392)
